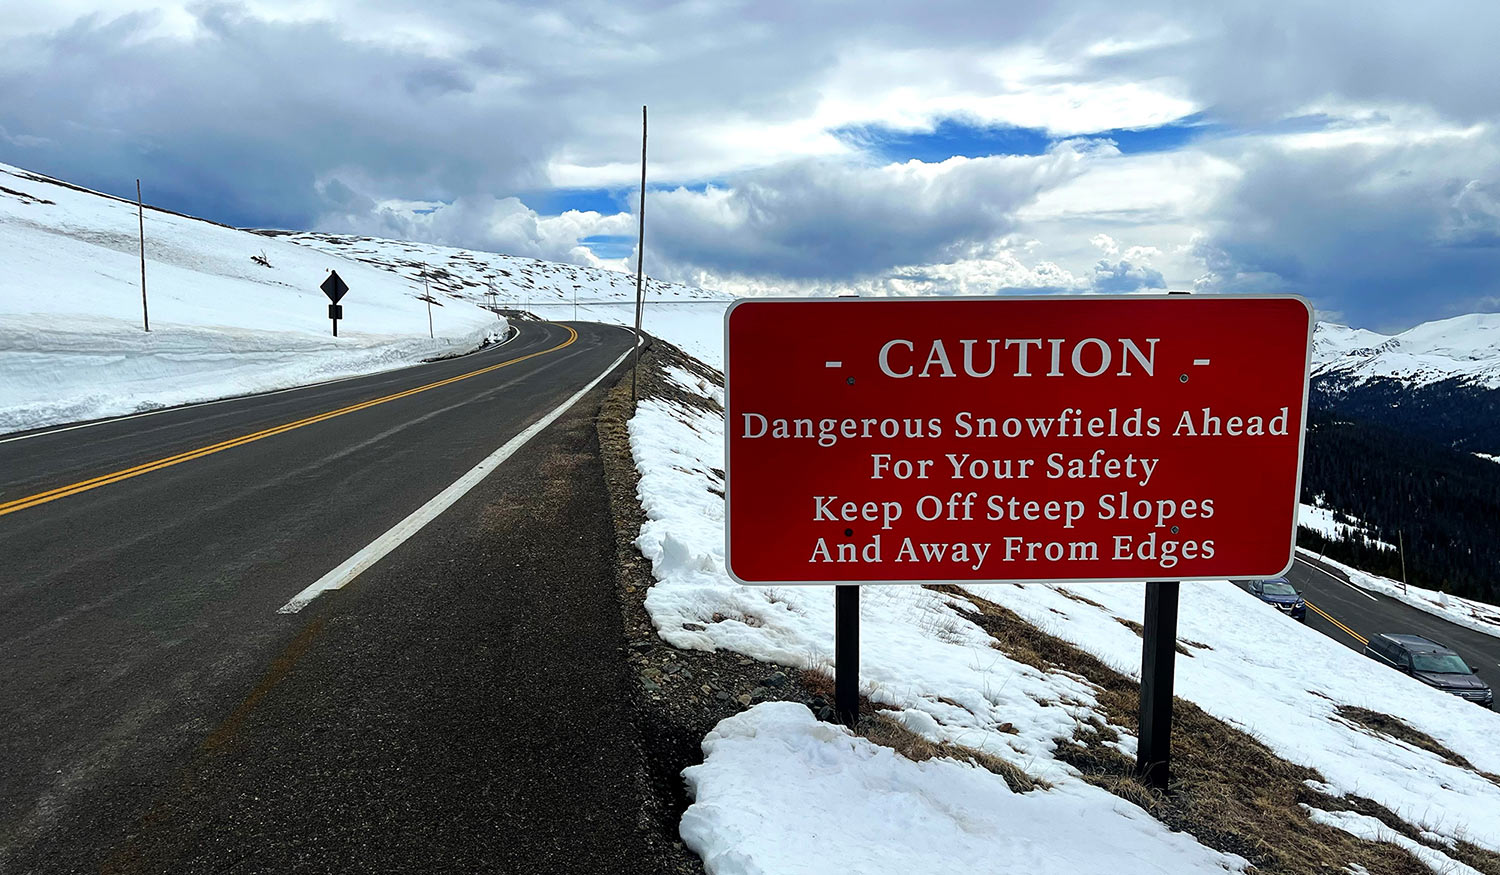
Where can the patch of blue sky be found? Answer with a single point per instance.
(555, 202)
(698, 187)
(1162, 138)
(948, 139)
(958, 138)
(605, 201)
(610, 245)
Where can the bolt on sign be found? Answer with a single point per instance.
(984, 439)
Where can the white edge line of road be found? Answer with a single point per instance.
(176, 407)
(400, 532)
(1335, 577)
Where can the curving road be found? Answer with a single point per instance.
(153, 697)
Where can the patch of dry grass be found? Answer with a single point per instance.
(1140, 632)
(1395, 727)
(1227, 789)
(886, 732)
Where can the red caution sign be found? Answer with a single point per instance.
(1014, 439)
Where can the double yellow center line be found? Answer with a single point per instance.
(1325, 615)
(30, 501)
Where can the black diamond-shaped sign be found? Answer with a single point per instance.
(334, 287)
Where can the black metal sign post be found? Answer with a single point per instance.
(846, 654)
(335, 288)
(1153, 758)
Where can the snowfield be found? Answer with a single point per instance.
(68, 368)
(548, 289)
(1321, 520)
(224, 324)
(779, 792)
(71, 342)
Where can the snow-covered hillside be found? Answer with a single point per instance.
(673, 311)
(1466, 347)
(235, 311)
(780, 792)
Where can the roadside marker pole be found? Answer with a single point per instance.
(1153, 759)
(427, 293)
(140, 211)
(1401, 546)
(640, 257)
(846, 654)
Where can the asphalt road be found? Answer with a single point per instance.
(1357, 614)
(158, 713)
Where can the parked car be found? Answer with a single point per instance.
(1279, 591)
(1432, 664)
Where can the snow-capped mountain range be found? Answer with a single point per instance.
(1463, 347)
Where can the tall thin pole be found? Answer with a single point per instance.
(140, 211)
(1401, 545)
(640, 259)
(427, 293)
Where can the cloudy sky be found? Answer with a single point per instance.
(1348, 152)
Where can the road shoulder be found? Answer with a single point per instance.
(461, 707)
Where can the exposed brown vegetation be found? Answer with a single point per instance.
(1385, 724)
(1228, 790)
(1140, 632)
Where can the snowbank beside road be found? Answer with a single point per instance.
(68, 369)
(780, 792)
(935, 671)
(231, 311)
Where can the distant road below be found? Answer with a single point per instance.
(1354, 614)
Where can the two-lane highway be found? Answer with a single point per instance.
(143, 560)
(1350, 615)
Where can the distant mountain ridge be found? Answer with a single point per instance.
(1439, 381)
(1401, 433)
(1464, 348)
(518, 281)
